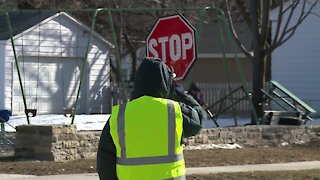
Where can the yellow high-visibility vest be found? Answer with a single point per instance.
(147, 134)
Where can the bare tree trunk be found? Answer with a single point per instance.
(257, 84)
(258, 19)
(268, 61)
(257, 62)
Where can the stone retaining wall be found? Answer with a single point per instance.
(55, 142)
(264, 135)
(64, 142)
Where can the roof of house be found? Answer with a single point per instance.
(23, 20)
(210, 40)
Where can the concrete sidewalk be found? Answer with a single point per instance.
(53, 177)
(256, 167)
(199, 170)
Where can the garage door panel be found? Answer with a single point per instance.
(51, 87)
(16, 106)
(43, 107)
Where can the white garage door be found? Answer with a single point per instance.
(50, 84)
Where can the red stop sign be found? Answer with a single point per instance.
(172, 39)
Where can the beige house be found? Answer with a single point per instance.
(209, 66)
(213, 67)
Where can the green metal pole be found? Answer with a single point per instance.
(2, 130)
(198, 31)
(227, 72)
(93, 22)
(17, 65)
(174, 10)
(124, 92)
(242, 77)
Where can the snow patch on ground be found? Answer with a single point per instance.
(97, 121)
(83, 122)
(213, 146)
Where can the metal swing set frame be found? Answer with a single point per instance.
(70, 111)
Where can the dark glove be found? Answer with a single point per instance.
(179, 90)
(179, 93)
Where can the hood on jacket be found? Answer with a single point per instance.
(153, 78)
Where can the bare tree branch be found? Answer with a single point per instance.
(265, 23)
(286, 9)
(243, 48)
(293, 6)
(288, 33)
(244, 13)
(279, 22)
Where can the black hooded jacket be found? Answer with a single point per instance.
(153, 78)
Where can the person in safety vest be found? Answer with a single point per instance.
(142, 140)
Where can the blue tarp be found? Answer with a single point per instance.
(5, 115)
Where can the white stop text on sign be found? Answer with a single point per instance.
(177, 44)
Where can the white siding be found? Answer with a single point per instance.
(99, 79)
(62, 37)
(2, 77)
(296, 64)
(8, 77)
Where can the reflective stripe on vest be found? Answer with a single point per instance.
(171, 157)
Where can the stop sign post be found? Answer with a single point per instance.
(172, 40)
